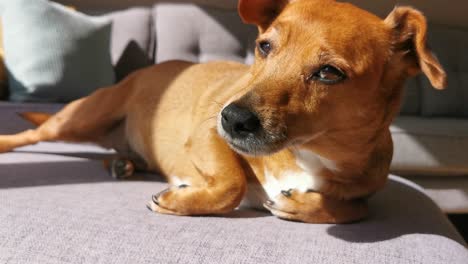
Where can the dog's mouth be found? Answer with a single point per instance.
(254, 147)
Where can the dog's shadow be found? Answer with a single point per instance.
(397, 211)
(23, 168)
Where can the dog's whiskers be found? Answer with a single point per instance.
(218, 103)
(206, 120)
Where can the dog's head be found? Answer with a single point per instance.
(324, 68)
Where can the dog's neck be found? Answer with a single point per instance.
(342, 157)
(347, 167)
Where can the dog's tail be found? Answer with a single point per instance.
(36, 118)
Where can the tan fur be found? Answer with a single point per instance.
(333, 138)
(36, 118)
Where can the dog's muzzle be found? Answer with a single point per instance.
(239, 122)
(243, 131)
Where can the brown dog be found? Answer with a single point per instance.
(308, 122)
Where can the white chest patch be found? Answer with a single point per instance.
(304, 180)
(309, 161)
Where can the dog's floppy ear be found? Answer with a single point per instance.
(410, 33)
(260, 12)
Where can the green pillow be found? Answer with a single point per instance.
(52, 53)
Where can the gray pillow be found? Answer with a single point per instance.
(54, 54)
(132, 40)
(201, 34)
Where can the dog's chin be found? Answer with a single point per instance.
(253, 149)
(249, 150)
(254, 146)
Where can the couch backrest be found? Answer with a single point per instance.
(441, 12)
(201, 34)
(121, 4)
(450, 44)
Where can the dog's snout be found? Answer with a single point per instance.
(238, 121)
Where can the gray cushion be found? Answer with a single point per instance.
(433, 153)
(430, 146)
(72, 212)
(54, 54)
(200, 34)
(450, 46)
(448, 192)
(132, 40)
(59, 207)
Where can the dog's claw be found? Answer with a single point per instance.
(155, 198)
(149, 207)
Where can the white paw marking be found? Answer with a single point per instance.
(299, 180)
(302, 181)
(177, 181)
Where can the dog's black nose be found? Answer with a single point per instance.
(239, 122)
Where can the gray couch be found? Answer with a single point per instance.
(59, 205)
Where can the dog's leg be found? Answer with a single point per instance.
(126, 162)
(119, 168)
(9, 142)
(124, 165)
(313, 207)
(87, 119)
(216, 185)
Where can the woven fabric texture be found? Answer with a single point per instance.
(54, 54)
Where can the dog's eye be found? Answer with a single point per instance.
(264, 47)
(328, 75)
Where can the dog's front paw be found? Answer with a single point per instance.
(313, 207)
(193, 200)
(288, 205)
(165, 202)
